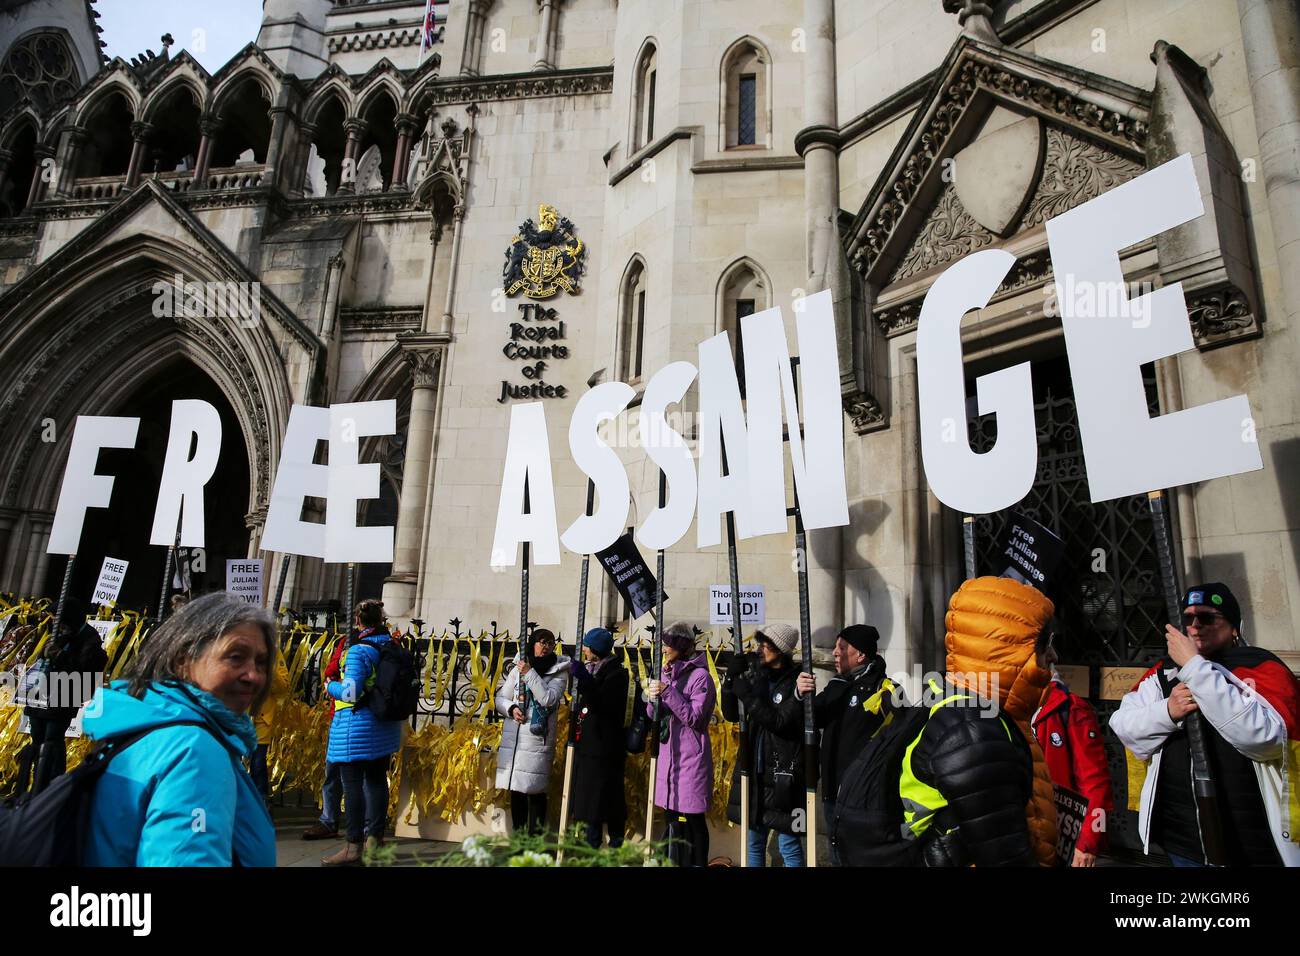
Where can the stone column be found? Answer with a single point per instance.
(9, 519)
(330, 305)
(43, 153)
(139, 140)
(423, 355)
(406, 124)
(36, 561)
(545, 35)
(826, 270)
(355, 129)
(1270, 34)
(282, 122)
(448, 318)
(301, 154)
(73, 141)
(255, 522)
(472, 52)
(209, 128)
(427, 321)
(6, 157)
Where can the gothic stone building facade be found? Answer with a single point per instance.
(714, 158)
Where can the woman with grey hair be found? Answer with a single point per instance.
(176, 792)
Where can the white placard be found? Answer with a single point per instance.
(109, 585)
(528, 460)
(297, 478)
(602, 464)
(103, 628)
(753, 604)
(244, 579)
(82, 488)
(963, 480)
(1109, 337)
(183, 477)
(349, 481)
(817, 457)
(665, 446)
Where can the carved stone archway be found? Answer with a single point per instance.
(96, 321)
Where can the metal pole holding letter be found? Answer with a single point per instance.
(521, 691)
(348, 594)
(63, 597)
(811, 750)
(656, 668)
(167, 572)
(968, 544)
(571, 745)
(738, 651)
(279, 587)
(1203, 789)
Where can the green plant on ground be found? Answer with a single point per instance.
(526, 849)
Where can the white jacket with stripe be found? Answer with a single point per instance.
(1240, 715)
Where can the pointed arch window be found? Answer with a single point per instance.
(743, 290)
(745, 112)
(631, 332)
(645, 80)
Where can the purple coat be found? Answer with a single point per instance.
(684, 779)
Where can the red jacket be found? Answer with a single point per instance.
(1068, 732)
(332, 671)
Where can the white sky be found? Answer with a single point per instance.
(212, 30)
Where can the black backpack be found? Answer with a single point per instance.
(51, 828)
(395, 693)
(868, 825)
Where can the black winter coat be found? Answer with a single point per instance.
(82, 654)
(845, 723)
(775, 724)
(601, 709)
(986, 774)
(600, 751)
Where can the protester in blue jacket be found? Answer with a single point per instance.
(360, 743)
(180, 795)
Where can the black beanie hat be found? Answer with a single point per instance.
(863, 637)
(1217, 596)
(74, 613)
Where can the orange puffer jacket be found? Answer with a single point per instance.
(992, 625)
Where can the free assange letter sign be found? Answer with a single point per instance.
(244, 579)
(1126, 450)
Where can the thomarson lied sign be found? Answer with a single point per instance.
(753, 604)
(1126, 450)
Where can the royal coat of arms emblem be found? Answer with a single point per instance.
(542, 261)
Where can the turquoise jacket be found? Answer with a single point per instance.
(181, 795)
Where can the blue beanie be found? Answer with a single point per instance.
(600, 641)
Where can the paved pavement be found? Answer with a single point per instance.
(292, 850)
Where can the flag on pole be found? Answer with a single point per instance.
(427, 34)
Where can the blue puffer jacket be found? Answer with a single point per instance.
(355, 734)
(180, 796)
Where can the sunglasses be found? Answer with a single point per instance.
(1202, 619)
